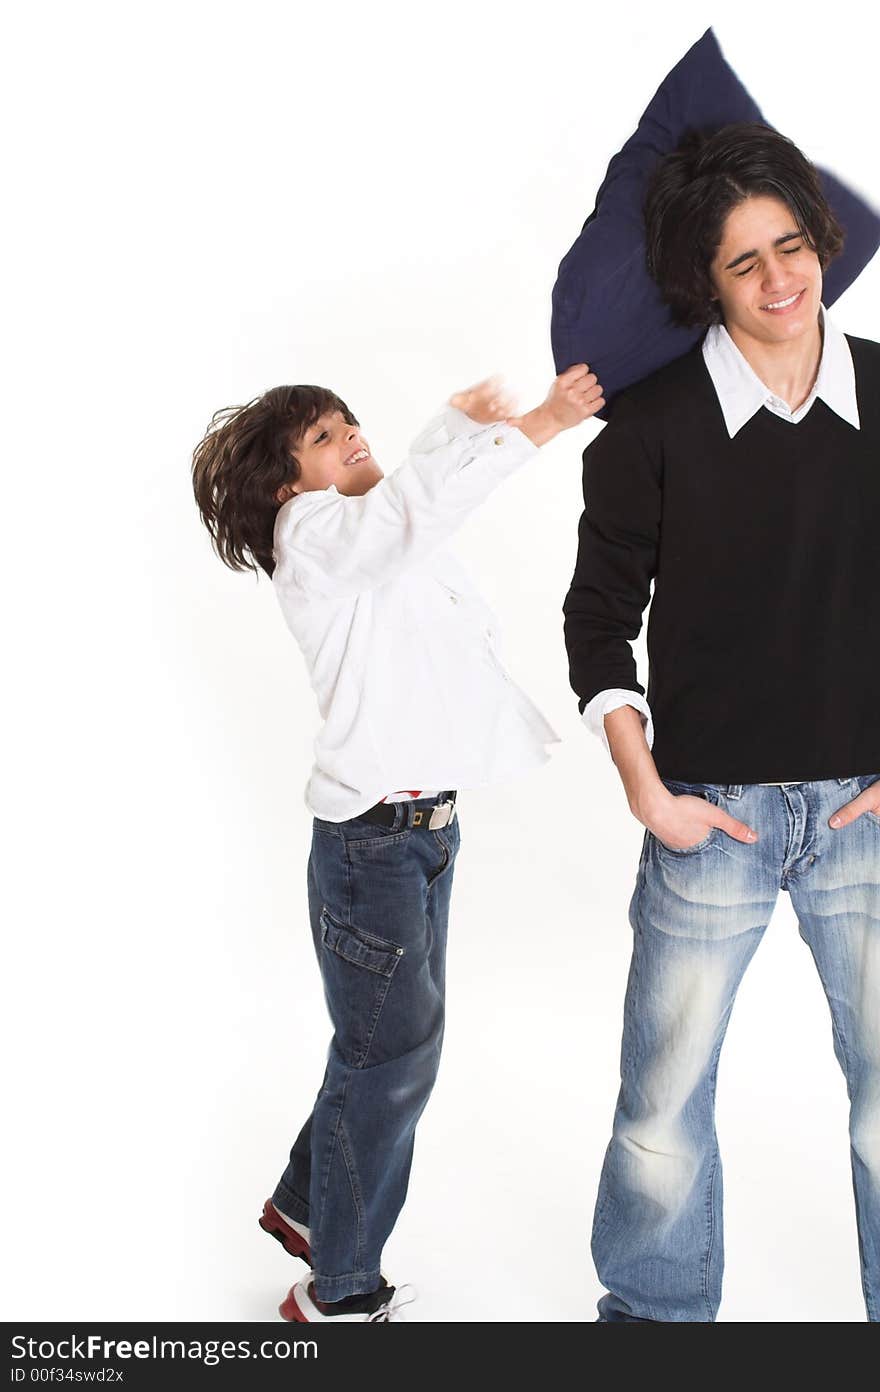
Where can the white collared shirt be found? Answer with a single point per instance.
(399, 644)
(741, 394)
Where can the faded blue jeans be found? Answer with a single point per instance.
(697, 917)
(379, 905)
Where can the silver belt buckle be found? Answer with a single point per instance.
(441, 816)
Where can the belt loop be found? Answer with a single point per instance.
(404, 815)
(734, 790)
(843, 781)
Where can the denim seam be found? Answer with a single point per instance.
(346, 876)
(447, 852)
(638, 931)
(604, 1195)
(789, 844)
(860, 1223)
(710, 1188)
(341, 911)
(710, 1213)
(328, 1163)
(844, 1049)
(377, 1011)
(362, 1054)
(356, 1191)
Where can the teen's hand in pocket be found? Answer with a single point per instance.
(683, 821)
(867, 801)
(680, 821)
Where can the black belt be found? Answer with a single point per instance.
(432, 818)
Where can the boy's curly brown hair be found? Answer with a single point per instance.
(245, 456)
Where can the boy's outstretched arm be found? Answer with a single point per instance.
(574, 396)
(331, 545)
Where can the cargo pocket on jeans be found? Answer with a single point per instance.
(357, 969)
(361, 949)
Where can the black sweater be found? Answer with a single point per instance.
(764, 624)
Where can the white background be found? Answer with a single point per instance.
(212, 199)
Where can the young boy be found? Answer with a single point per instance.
(415, 705)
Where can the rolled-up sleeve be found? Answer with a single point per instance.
(605, 702)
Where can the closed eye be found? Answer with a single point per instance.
(787, 251)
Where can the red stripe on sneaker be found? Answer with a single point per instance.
(293, 1242)
(289, 1310)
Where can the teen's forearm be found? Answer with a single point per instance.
(635, 764)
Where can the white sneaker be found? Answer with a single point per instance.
(304, 1307)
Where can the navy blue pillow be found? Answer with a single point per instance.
(607, 310)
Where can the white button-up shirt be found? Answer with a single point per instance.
(741, 394)
(399, 644)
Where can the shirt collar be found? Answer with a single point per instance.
(741, 393)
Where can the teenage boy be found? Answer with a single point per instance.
(415, 703)
(744, 481)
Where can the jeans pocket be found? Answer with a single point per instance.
(361, 949)
(357, 970)
(372, 840)
(687, 850)
(709, 793)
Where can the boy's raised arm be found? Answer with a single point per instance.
(331, 545)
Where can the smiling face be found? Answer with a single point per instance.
(333, 453)
(767, 280)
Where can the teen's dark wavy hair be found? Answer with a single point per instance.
(699, 184)
(245, 456)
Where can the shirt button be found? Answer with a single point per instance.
(453, 599)
(499, 440)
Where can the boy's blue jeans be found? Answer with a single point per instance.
(379, 905)
(697, 917)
